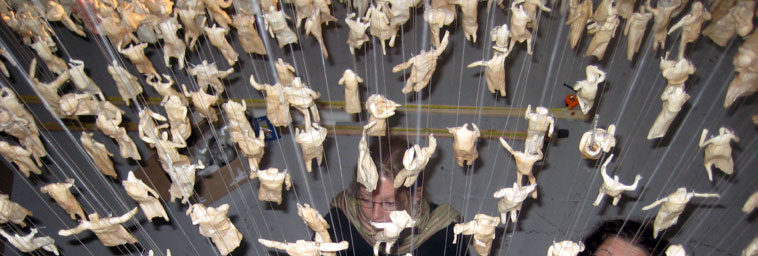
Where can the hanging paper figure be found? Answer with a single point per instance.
(313, 220)
(311, 141)
(271, 184)
(45, 51)
(21, 157)
(306, 248)
(738, 20)
(495, 70)
(612, 186)
(214, 224)
(469, 20)
(303, 99)
(602, 33)
(464, 143)
(54, 11)
(677, 71)
(367, 174)
(218, 15)
(691, 25)
(540, 123)
(203, 103)
(352, 96)
(81, 81)
(183, 180)
(247, 33)
(718, 151)
(379, 109)
(28, 243)
(356, 37)
(146, 197)
(188, 16)
(389, 232)
(217, 37)
(662, 17)
(176, 112)
(415, 160)
(284, 71)
(313, 27)
(511, 200)
(673, 98)
(625, 8)
(276, 25)
(173, 47)
(531, 6)
(586, 90)
(745, 61)
(12, 212)
(524, 163)
(565, 248)
(136, 54)
(100, 155)
(277, 112)
(60, 192)
(672, 206)
(165, 89)
(400, 11)
(49, 91)
(380, 26)
(422, 67)
(519, 32)
(109, 230)
(127, 84)
(483, 228)
(596, 141)
(108, 121)
(208, 74)
(303, 9)
(579, 14)
(167, 150)
(634, 29)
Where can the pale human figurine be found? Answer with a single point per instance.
(675, 250)
(612, 186)
(271, 184)
(183, 180)
(677, 71)
(251, 147)
(311, 141)
(352, 95)
(745, 62)
(218, 15)
(313, 27)
(19, 156)
(691, 25)
(483, 228)
(165, 88)
(100, 155)
(356, 37)
(469, 20)
(380, 108)
(173, 47)
(524, 163)
(45, 51)
(188, 16)
(464, 143)
(519, 32)
(586, 90)
(178, 121)
(738, 20)
(276, 25)
(303, 9)
(318, 224)
(380, 26)
(306, 248)
(673, 98)
(128, 86)
(366, 174)
(390, 231)
(662, 17)
(541, 122)
(565, 248)
(108, 121)
(422, 67)
(203, 103)
(284, 71)
(579, 15)
(596, 141)
(511, 200)
(148, 127)
(214, 224)
(81, 80)
(248, 34)
(12, 212)
(531, 7)
(400, 11)
(17, 127)
(415, 160)
(672, 206)
(146, 197)
(602, 33)
(207, 74)
(77, 104)
(217, 38)
(54, 11)
(28, 243)
(278, 113)
(136, 54)
(634, 29)
(495, 71)
(500, 36)
(751, 203)
(625, 8)
(109, 230)
(168, 154)
(60, 192)
(718, 151)
(751, 249)
(303, 98)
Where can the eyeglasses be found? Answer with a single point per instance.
(368, 204)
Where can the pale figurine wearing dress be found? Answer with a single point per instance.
(303, 99)
(54, 11)
(662, 17)
(511, 200)
(718, 151)
(380, 26)
(691, 25)
(586, 90)
(188, 16)
(306, 248)
(251, 147)
(109, 230)
(168, 154)
(278, 113)
(357, 35)
(565, 248)
(313, 27)
(311, 141)
(745, 62)
(422, 67)
(173, 47)
(519, 32)
(276, 25)
(379, 109)
(596, 141)
(672, 206)
(494, 71)
(128, 86)
(634, 29)
(208, 74)
(247, 33)
(738, 20)
(28, 243)
(217, 37)
(602, 33)
(366, 174)
(12, 212)
(60, 192)
(271, 184)
(415, 160)
(541, 123)
(100, 155)
(531, 6)
(579, 15)
(108, 121)
(352, 95)
(19, 156)
(136, 54)
(214, 224)
(677, 71)
(203, 103)
(524, 164)
(469, 9)
(625, 8)
(146, 197)
(612, 186)
(390, 231)
(673, 98)
(464, 143)
(183, 180)
(483, 228)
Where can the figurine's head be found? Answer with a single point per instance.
(680, 193)
(93, 217)
(297, 83)
(131, 177)
(697, 8)
(197, 212)
(542, 110)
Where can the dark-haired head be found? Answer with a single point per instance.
(628, 237)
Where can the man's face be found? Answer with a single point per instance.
(378, 204)
(613, 246)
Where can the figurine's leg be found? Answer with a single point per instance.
(408, 86)
(709, 171)
(504, 216)
(528, 46)
(599, 199)
(532, 181)
(514, 216)
(376, 248)
(388, 247)
(519, 177)
(384, 51)
(410, 180)
(400, 179)
(616, 200)
(314, 112)
(308, 166)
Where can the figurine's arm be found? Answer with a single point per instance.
(604, 172)
(150, 190)
(287, 181)
(500, 193)
(634, 185)
(528, 110)
(432, 144)
(225, 73)
(649, 7)
(333, 247)
(403, 66)
(358, 78)
(506, 145)
(656, 203)
(703, 141)
(341, 81)
(273, 244)
(443, 44)
(73, 231)
(6, 235)
(127, 216)
(185, 91)
(706, 195)
(476, 64)
(679, 24)
(551, 123)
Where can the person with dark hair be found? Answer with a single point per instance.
(623, 238)
(353, 210)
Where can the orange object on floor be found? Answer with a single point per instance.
(571, 101)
